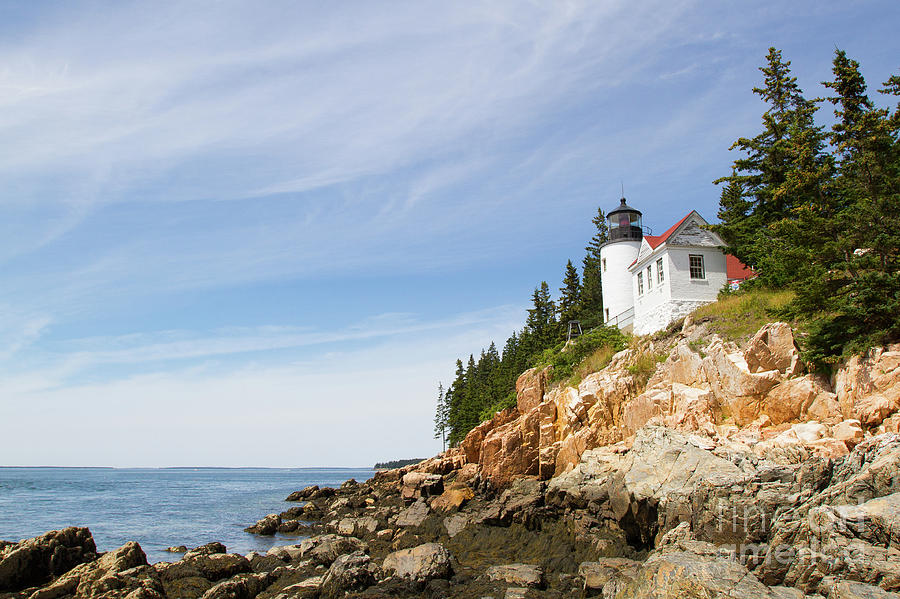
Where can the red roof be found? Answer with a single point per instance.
(737, 270)
(734, 268)
(656, 240)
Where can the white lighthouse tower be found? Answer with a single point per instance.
(616, 255)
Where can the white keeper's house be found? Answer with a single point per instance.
(650, 281)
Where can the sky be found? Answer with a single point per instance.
(259, 234)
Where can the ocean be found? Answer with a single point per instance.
(158, 508)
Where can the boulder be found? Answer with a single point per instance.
(452, 498)
(420, 484)
(34, 561)
(324, 549)
(608, 576)
(868, 387)
(414, 515)
(419, 564)
(456, 523)
(509, 451)
(349, 573)
(124, 569)
(207, 549)
(848, 431)
(773, 348)
(683, 365)
(220, 565)
(521, 575)
(790, 400)
(303, 494)
(267, 526)
(738, 389)
(243, 586)
(471, 444)
(264, 563)
(530, 388)
(687, 574)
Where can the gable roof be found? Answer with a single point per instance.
(656, 240)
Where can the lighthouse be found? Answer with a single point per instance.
(616, 256)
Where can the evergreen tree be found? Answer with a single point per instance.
(457, 392)
(781, 168)
(570, 296)
(441, 417)
(591, 288)
(541, 321)
(851, 286)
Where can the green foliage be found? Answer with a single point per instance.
(487, 385)
(591, 309)
(506, 402)
(781, 167)
(569, 305)
(740, 314)
(644, 366)
(822, 221)
(563, 360)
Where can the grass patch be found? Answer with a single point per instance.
(594, 362)
(593, 346)
(507, 402)
(644, 366)
(739, 315)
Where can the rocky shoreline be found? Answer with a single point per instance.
(724, 473)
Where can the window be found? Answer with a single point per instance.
(606, 310)
(604, 264)
(649, 278)
(659, 271)
(640, 283)
(697, 269)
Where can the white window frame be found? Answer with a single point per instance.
(640, 283)
(692, 269)
(649, 278)
(660, 277)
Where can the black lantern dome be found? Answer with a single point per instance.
(624, 223)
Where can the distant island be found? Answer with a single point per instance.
(396, 464)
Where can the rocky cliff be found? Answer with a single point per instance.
(758, 397)
(688, 467)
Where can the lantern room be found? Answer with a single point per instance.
(624, 223)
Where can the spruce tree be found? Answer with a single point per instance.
(541, 321)
(569, 305)
(457, 392)
(780, 169)
(591, 288)
(441, 415)
(851, 287)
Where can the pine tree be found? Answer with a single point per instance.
(569, 305)
(457, 392)
(591, 288)
(782, 168)
(541, 321)
(441, 416)
(851, 286)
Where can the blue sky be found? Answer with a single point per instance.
(242, 233)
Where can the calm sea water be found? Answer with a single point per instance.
(158, 508)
